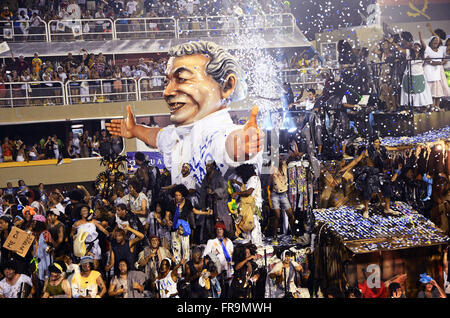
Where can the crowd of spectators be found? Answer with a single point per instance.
(77, 145)
(31, 14)
(94, 78)
(155, 239)
(402, 72)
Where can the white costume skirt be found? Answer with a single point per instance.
(440, 88)
(418, 99)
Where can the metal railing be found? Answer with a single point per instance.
(104, 90)
(303, 78)
(282, 22)
(145, 28)
(151, 87)
(23, 31)
(101, 90)
(81, 29)
(148, 88)
(214, 26)
(302, 75)
(33, 93)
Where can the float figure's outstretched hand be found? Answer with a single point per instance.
(123, 127)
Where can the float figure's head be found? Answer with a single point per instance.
(201, 78)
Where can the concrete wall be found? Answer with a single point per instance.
(76, 171)
(22, 115)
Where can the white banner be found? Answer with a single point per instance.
(4, 47)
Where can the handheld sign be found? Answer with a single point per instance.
(18, 241)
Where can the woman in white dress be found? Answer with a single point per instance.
(415, 89)
(434, 54)
(85, 224)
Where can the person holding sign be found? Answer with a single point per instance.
(202, 79)
(11, 239)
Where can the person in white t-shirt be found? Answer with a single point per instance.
(120, 196)
(202, 79)
(186, 179)
(126, 69)
(15, 285)
(131, 6)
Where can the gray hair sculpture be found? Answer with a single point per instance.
(221, 64)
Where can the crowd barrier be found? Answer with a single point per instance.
(17, 94)
(378, 77)
(22, 31)
(144, 28)
(36, 93)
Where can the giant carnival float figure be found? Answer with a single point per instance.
(202, 79)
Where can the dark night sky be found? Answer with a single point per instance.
(315, 16)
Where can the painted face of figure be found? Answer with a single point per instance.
(190, 92)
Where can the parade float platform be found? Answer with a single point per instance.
(347, 244)
(408, 124)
